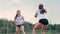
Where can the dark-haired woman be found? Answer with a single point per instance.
(19, 22)
(43, 22)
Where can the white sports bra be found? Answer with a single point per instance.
(19, 20)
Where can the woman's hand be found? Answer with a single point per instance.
(23, 22)
(36, 15)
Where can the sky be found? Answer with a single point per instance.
(28, 8)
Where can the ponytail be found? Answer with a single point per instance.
(42, 8)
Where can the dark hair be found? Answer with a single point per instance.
(42, 8)
(16, 16)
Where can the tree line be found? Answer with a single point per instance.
(11, 26)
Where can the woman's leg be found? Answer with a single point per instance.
(43, 28)
(36, 27)
(22, 29)
(17, 29)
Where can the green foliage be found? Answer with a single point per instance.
(11, 26)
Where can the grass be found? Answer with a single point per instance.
(37, 32)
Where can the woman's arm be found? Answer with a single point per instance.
(44, 10)
(23, 19)
(14, 20)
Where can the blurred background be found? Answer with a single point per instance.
(28, 8)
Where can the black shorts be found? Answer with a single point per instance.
(43, 21)
(19, 25)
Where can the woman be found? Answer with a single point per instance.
(19, 22)
(43, 22)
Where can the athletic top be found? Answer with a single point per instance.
(19, 20)
(40, 14)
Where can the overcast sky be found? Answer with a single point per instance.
(28, 8)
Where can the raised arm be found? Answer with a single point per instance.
(44, 10)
